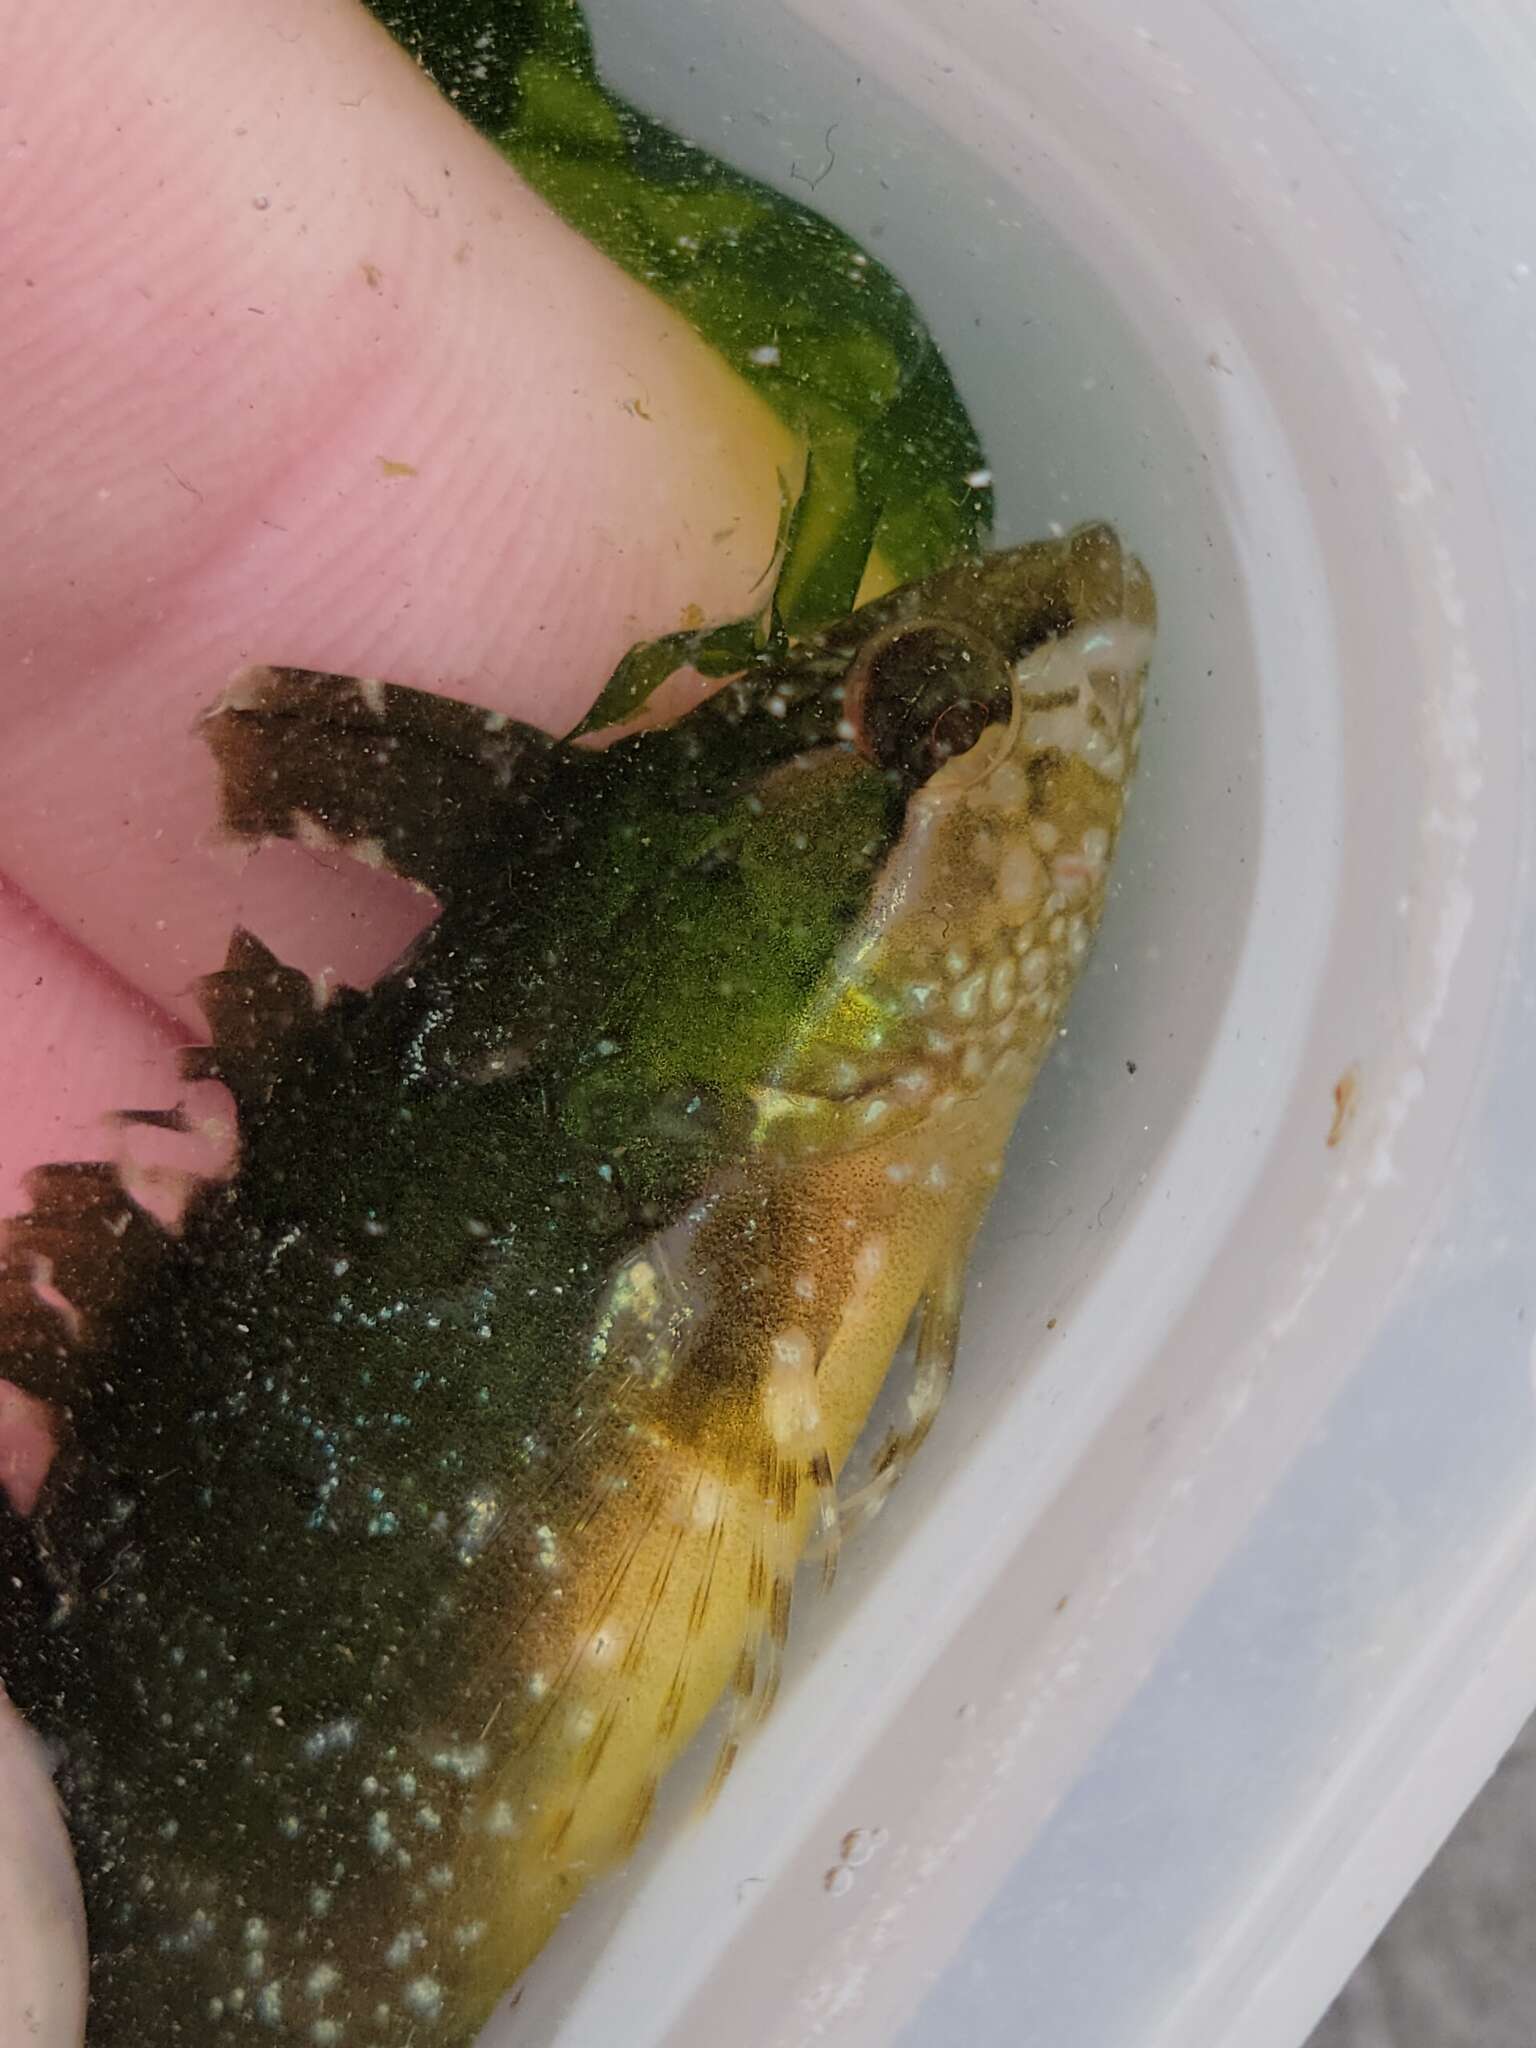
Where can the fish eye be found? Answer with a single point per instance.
(922, 692)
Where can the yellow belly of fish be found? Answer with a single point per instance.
(678, 1589)
(693, 1565)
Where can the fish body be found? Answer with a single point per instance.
(418, 1500)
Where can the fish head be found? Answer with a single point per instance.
(838, 842)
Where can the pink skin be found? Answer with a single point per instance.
(249, 264)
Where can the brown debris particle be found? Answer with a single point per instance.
(1346, 1092)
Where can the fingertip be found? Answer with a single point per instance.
(42, 1921)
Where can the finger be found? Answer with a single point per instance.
(76, 1045)
(298, 371)
(42, 1927)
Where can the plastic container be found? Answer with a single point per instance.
(1213, 1598)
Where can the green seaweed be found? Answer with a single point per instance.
(827, 336)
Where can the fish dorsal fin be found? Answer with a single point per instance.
(65, 1265)
(254, 1004)
(397, 778)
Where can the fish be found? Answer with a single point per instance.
(420, 1496)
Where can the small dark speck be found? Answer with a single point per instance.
(1051, 1322)
(1130, 1066)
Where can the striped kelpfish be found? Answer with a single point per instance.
(417, 1499)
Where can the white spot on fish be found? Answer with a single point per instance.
(424, 1997)
(789, 1392)
(708, 1499)
(403, 1947)
(793, 1351)
(1020, 878)
(334, 1738)
(965, 1000)
(464, 1762)
(869, 1260)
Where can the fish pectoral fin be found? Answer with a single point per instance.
(397, 778)
(65, 1264)
(773, 1555)
(938, 1338)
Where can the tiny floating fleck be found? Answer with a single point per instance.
(1346, 1095)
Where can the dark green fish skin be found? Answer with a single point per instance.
(340, 1460)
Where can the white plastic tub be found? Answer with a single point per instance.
(1213, 1598)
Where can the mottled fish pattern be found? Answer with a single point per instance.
(420, 1496)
